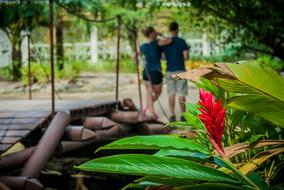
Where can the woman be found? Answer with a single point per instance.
(152, 74)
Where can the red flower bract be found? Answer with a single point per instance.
(213, 117)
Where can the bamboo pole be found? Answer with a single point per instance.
(137, 68)
(51, 55)
(117, 56)
(29, 65)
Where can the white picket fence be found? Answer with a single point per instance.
(82, 51)
(79, 51)
(91, 51)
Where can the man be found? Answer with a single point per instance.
(176, 53)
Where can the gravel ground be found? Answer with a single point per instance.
(92, 86)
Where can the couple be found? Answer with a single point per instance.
(175, 51)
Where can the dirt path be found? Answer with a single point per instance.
(90, 86)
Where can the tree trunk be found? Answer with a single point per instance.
(16, 60)
(59, 40)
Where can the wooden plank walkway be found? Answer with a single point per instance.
(14, 126)
(19, 118)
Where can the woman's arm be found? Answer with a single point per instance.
(164, 41)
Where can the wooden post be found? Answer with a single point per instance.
(137, 68)
(117, 56)
(51, 54)
(29, 66)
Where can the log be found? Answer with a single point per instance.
(115, 131)
(78, 133)
(101, 135)
(157, 128)
(46, 145)
(98, 123)
(128, 117)
(21, 183)
(128, 104)
(16, 159)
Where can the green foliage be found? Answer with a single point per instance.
(183, 154)
(179, 162)
(41, 71)
(156, 142)
(6, 73)
(126, 66)
(250, 19)
(274, 63)
(139, 164)
(259, 90)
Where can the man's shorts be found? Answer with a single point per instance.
(176, 87)
(155, 77)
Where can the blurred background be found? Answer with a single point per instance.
(85, 50)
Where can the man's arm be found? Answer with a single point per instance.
(185, 55)
(185, 51)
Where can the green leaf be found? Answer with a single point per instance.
(237, 116)
(219, 186)
(179, 124)
(259, 91)
(255, 138)
(207, 85)
(139, 164)
(165, 180)
(182, 154)
(194, 156)
(139, 185)
(278, 187)
(193, 121)
(192, 109)
(261, 78)
(256, 178)
(156, 142)
(261, 105)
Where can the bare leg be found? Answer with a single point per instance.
(157, 91)
(150, 103)
(182, 103)
(172, 104)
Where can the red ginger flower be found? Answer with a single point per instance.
(213, 117)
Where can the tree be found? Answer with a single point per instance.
(262, 19)
(15, 18)
(59, 39)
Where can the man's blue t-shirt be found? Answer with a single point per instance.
(152, 54)
(174, 54)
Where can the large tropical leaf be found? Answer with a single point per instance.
(193, 156)
(182, 154)
(142, 165)
(259, 103)
(260, 89)
(176, 182)
(219, 186)
(156, 142)
(261, 78)
(258, 180)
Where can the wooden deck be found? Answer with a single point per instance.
(19, 118)
(14, 126)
